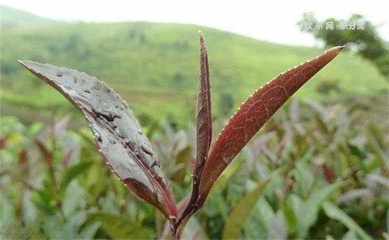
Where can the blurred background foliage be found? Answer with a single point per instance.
(366, 41)
(314, 171)
(318, 169)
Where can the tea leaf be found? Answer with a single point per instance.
(119, 227)
(241, 212)
(89, 231)
(72, 172)
(376, 141)
(116, 131)
(194, 231)
(336, 213)
(278, 228)
(254, 113)
(204, 118)
(308, 214)
(289, 215)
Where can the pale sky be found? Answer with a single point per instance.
(273, 21)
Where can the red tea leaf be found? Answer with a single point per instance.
(117, 133)
(254, 113)
(328, 172)
(46, 153)
(204, 133)
(204, 118)
(3, 142)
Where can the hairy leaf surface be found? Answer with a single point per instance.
(204, 118)
(254, 113)
(116, 131)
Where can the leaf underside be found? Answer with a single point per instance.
(254, 113)
(117, 133)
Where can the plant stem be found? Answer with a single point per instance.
(173, 229)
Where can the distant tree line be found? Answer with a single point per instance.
(366, 41)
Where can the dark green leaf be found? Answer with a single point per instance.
(119, 227)
(72, 172)
(336, 213)
(241, 212)
(308, 213)
(290, 215)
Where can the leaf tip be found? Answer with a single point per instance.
(27, 63)
(337, 49)
(201, 39)
(22, 62)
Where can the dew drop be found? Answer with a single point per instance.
(137, 154)
(155, 164)
(75, 79)
(87, 91)
(98, 137)
(59, 74)
(130, 144)
(147, 151)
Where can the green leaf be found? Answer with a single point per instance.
(74, 199)
(95, 183)
(304, 176)
(221, 183)
(57, 227)
(290, 214)
(278, 228)
(72, 172)
(182, 158)
(376, 141)
(89, 231)
(242, 211)
(258, 224)
(194, 230)
(307, 214)
(29, 210)
(336, 213)
(350, 235)
(266, 212)
(119, 227)
(7, 211)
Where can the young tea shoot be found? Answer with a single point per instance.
(129, 153)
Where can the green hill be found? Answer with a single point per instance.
(11, 18)
(154, 66)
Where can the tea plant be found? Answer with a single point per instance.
(309, 154)
(128, 151)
